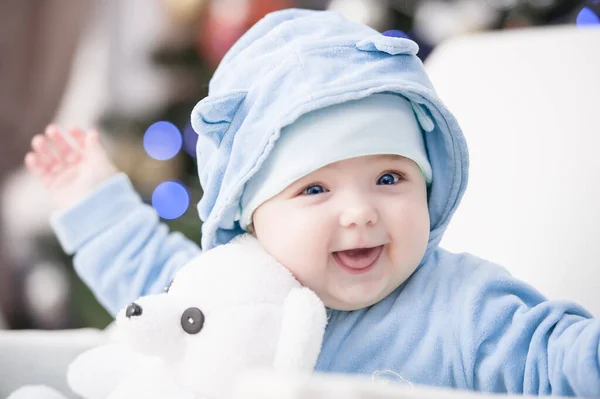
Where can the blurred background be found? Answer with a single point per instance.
(134, 69)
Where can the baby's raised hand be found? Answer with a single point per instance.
(69, 165)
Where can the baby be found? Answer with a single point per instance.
(325, 139)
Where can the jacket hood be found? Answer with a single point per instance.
(293, 62)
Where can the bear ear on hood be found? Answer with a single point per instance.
(211, 118)
(213, 114)
(388, 44)
(393, 45)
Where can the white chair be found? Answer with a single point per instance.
(528, 102)
(42, 357)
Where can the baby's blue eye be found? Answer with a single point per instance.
(389, 179)
(313, 190)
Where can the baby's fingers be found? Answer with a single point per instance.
(44, 155)
(33, 164)
(63, 148)
(78, 136)
(37, 168)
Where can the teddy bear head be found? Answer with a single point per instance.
(219, 316)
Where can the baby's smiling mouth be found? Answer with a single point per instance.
(359, 260)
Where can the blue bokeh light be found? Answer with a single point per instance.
(170, 199)
(587, 17)
(162, 140)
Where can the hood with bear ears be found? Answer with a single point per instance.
(293, 62)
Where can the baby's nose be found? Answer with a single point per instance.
(133, 310)
(358, 216)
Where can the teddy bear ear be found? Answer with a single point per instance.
(213, 114)
(388, 44)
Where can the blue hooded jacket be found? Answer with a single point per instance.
(458, 321)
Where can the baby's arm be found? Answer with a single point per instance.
(122, 251)
(514, 340)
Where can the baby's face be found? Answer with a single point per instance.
(352, 231)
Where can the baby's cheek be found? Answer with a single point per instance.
(297, 238)
(413, 215)
(306, 259)
(410, 235)
(422, 227)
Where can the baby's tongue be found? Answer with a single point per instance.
(358, 258)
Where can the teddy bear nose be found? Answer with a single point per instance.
(133, 310)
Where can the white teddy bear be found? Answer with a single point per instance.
(231, 310)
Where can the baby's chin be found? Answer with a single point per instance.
(352, 299)
(347, 307)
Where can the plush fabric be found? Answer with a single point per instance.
(229, 311)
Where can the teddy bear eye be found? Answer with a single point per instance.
(192, 320)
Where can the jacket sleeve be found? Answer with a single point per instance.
(515, 340)
(122, 250)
